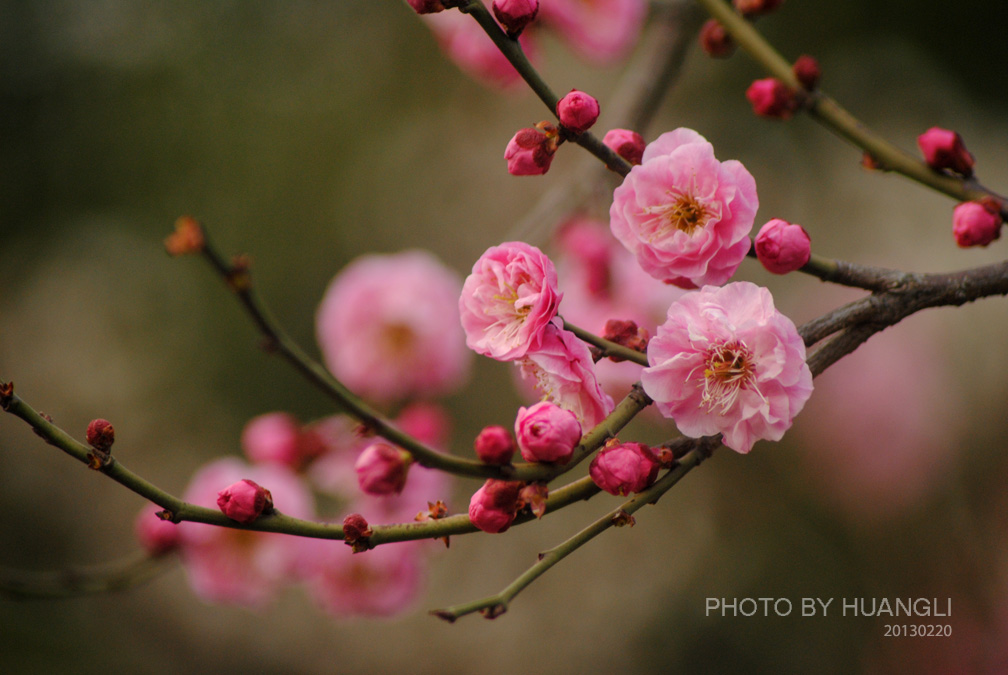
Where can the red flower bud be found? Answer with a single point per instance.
(382, 469)
(771, 98)
(806, 71)
(426, 6)
(100, 435)
(944, 149)
(976, 224)
(715, 40)
(627, 144)
(495, 445)
(244, 501)
(356, 531)
(577, 111)
(620, 469)
(530, 152)
(782, 247)
(515, 15)
(493, 507)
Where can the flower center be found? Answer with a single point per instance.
(683, 212)
(728, 369)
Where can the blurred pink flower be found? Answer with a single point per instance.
(387, 327)
(155, 535)
(382, 468)
(727, 361)
(683, 214)
(880, 433)
(383, 581)
(279, 438)
(508, 300)
(237, 566)
(600, 30)
(472, 50)
(563, 372)
(602, 281)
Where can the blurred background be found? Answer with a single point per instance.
(306, 133)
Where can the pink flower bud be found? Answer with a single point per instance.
(944, 149)
(514, 15)
(975, 224)
(752, 8)
(530, 152)
(782, 247)
(715, 40)
(492, 508)
(771, 98)
(806, 71)
(244, 501)
(381, 469)
(494, 445)
(622, 469)
(426, 6)
(627, 144)
(356, 532)
(100, 434)
(547, 433)
(156, 535)
(577, 111)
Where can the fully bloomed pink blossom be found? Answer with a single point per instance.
(236, 566)
(383, 581)
(563, 371)
(624, 468)
(685, 215)
(727, 361)
(388, 327)
(547, 433)
(508, 300)
(474, 52)
(602, 31)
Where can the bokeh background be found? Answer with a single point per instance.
(305, 133)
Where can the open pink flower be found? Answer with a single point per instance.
(236, 566)
(600, 30)
(563, 371)
(508, 300)
(727, 361)
(683, 214)
(388, 327)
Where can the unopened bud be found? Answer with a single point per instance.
(944, 149)
(493, 507)
(100, 435)
(626, 333)
(806, 71)
(515, 15)
(771, 98)
(577, 111)
(356, 531)
(547, 433)
(976, 224)
(244, 501)
(530, 151)
(495, 445)
(620, 469)
(752, 8)
(782, 247)
(188, 237)
(426, 6)
(382, 469)
(715, 40)
(627, 144)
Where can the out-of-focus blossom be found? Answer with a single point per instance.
(236, 566)
(472, 50)
(754, 8)
(782, 247)
(547, 433)
(156, 536)
(685, 215)
(508, 300)
(495, 445)
(426, 6)
(806, 70)
(279, 438)
(388, 327)
(727, 361)
(600, 30)
(383, 581)
(715, 40)
(382, 469)
(563, 371)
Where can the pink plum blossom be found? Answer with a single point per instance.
(782, 247)
(975, 224)
(727, 361)
(624, 468)
(156, 536)
(388, 327)
(493, 507)
(474, 52)
(602, 31)
(508, 300)
(547, 433)
(944, 149)
(563, 371)
(236, 566)
(683, 214)
(383, 581)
